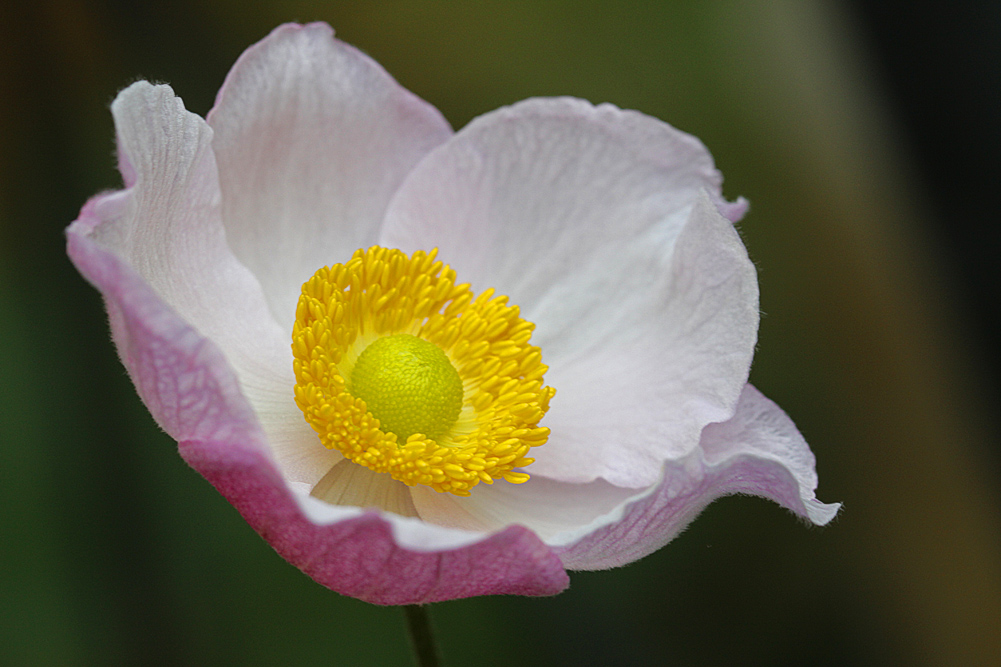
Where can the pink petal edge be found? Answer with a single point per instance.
(758, 452)
(193, 394)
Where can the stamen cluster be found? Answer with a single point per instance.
(381, 292)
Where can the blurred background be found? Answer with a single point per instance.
(864, 133)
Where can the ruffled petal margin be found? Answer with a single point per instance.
(195, 397)
(758, 452)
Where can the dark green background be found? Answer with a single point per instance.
(114, 552)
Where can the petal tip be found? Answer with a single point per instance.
(821, 514)
(733, 211)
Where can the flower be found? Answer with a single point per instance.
(607, 230)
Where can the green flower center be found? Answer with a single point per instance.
(409, 385)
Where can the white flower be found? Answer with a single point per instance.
(607, 229)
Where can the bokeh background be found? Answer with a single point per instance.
(864, 133)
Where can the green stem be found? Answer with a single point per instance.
(421, 636)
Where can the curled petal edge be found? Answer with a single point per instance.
(757, 452)
(195, 397)
(360, 556)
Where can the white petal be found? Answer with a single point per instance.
(644, 299)
(641, 373)
(534, 186)
(348, 483)
(167, 227)
(312, 138)
(549, 508)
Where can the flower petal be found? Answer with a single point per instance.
(382, 558)
(759, 452)
(759, 437)
(644, 299)
(194, 395)
(167, 227)
(656, 367)
(542, 180)
(548, 507)
(312, 138)
(354, 485)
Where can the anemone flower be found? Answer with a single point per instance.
(302, 288)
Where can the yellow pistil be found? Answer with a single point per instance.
(409, 384)
(404, 372)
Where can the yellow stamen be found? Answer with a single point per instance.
(404, 372)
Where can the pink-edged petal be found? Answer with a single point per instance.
(194, 395)
(362, 556)
(759, 451)
(596, 222)
(184, 379)
(312, 139)
(758, 438)
(168, 228)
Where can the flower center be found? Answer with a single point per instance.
(406, 373)
(409, 385)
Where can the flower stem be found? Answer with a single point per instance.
(421, 636)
